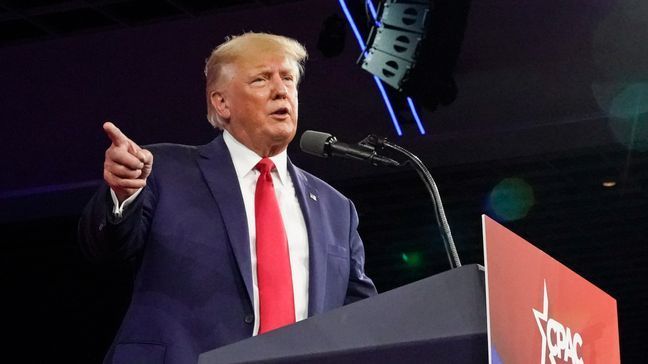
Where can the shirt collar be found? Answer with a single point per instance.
(245, 159)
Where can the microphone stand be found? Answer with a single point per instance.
(374, 141)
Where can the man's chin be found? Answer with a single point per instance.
(282, 137)
(284, 129)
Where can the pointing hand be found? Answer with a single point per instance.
(126, 165)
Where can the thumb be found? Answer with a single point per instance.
(147, 158)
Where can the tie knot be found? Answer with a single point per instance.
(265, 165)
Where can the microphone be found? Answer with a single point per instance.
(326, 145)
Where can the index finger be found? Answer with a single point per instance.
(116, 136)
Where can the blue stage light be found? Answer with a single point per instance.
(410, 102)
(363, 47)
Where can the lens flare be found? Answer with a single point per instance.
(412, 259)
(511, 199)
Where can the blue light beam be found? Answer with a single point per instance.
(363, 48)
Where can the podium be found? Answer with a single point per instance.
(442, 318)
(525, 307)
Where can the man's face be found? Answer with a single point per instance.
(258, 100)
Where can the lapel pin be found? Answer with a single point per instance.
(312, 196)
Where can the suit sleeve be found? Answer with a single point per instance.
(360, 286)
(105, 237)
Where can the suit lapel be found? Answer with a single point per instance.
(308, 196)
(216, 165)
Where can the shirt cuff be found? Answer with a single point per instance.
(118, 209)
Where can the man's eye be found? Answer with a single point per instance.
(288, 78)
(258, 80)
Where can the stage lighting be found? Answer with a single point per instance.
(414, 48)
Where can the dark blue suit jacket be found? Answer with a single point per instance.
(187, 235)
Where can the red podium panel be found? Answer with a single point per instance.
(541, 311)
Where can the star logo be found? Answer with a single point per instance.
(556, 338)
(541, 317)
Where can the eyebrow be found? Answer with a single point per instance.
(262, 69)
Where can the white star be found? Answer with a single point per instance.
(542, 316)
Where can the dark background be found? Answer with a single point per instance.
(553, 95)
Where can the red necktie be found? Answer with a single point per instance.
(276, 302)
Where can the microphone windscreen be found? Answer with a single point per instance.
(314, 142)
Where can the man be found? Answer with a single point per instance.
(229, 239)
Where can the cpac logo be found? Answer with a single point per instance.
(556, 337)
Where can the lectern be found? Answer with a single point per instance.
(437, 319)
(538, 311)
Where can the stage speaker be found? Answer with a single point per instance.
(414, 46)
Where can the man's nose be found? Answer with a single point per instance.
(278, 87)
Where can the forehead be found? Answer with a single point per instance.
(250, 63)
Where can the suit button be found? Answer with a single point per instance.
(249, 319)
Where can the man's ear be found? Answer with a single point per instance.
(220, 104)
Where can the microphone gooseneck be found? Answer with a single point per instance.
(433, 190)
(325, 145)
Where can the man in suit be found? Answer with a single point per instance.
(193, 225)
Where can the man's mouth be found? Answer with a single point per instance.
(281, 113)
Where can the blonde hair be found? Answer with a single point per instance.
(246, 45)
